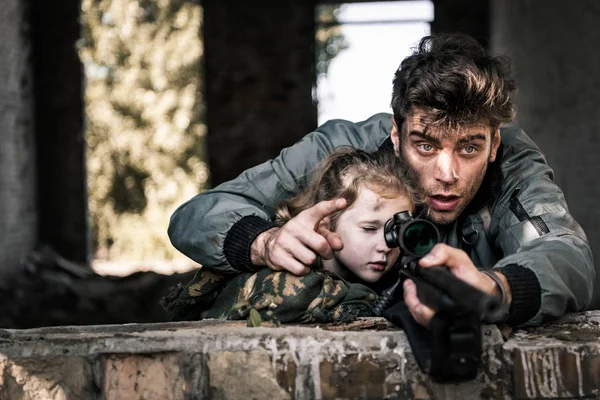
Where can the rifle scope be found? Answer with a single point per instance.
(415, 236)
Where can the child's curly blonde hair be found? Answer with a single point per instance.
(343, 174)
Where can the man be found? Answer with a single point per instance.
(488, 188)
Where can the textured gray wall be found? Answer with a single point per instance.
(259, 73)
(555, 47)
(18, 215)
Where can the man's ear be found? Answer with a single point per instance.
(496, 139)
(395, 135)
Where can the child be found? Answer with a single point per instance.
(375, 187)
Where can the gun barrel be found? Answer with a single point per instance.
(466, 296)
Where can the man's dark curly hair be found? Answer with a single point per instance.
(456, 81)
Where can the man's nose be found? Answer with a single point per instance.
(447, 167)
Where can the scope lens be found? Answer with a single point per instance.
(419, 237)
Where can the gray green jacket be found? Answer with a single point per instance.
(518, 222)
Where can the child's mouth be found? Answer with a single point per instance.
(377, 266)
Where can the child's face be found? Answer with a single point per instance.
(361, 230)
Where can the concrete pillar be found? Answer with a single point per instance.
(554, 47)
(465, 16)
(18, 216)
(59, 111)
(259, 74)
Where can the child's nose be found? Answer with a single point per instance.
(382, 247)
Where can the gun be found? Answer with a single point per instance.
(450, 351)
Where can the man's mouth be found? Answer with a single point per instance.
(444, 202)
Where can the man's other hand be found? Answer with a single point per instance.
(297, 244)
(459, 263)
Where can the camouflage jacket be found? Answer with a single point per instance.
(274, 296)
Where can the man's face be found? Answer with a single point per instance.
(449, 163)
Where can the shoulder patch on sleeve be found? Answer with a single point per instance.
(517, 208)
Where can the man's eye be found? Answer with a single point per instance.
(470, 149)
(426, 147)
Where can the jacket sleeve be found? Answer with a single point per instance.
(546, 256)
(216, 228)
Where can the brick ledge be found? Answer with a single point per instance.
(226, 360)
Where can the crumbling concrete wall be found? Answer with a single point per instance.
(18, 214)
(225, 360)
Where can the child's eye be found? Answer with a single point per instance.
(369, 229)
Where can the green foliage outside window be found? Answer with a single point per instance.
(145, 117)
(145, 113)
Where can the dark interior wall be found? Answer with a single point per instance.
(18, 214)
(259, 72)
(554, 48)
(59, 108)
(465, 16)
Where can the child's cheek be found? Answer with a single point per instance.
(394, 254)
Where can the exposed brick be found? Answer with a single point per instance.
(244, 375)
(155, 377)
(208, 359)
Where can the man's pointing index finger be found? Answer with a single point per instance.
(323, 209)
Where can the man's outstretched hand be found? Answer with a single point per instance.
(459, 263)
(297, 244)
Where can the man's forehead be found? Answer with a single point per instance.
(421, 123)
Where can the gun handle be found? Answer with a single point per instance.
(430, 295)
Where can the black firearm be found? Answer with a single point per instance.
(450, 351)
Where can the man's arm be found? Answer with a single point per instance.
(217, 228)
(539, 239)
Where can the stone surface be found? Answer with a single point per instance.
(368, 359)
(52, 378)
